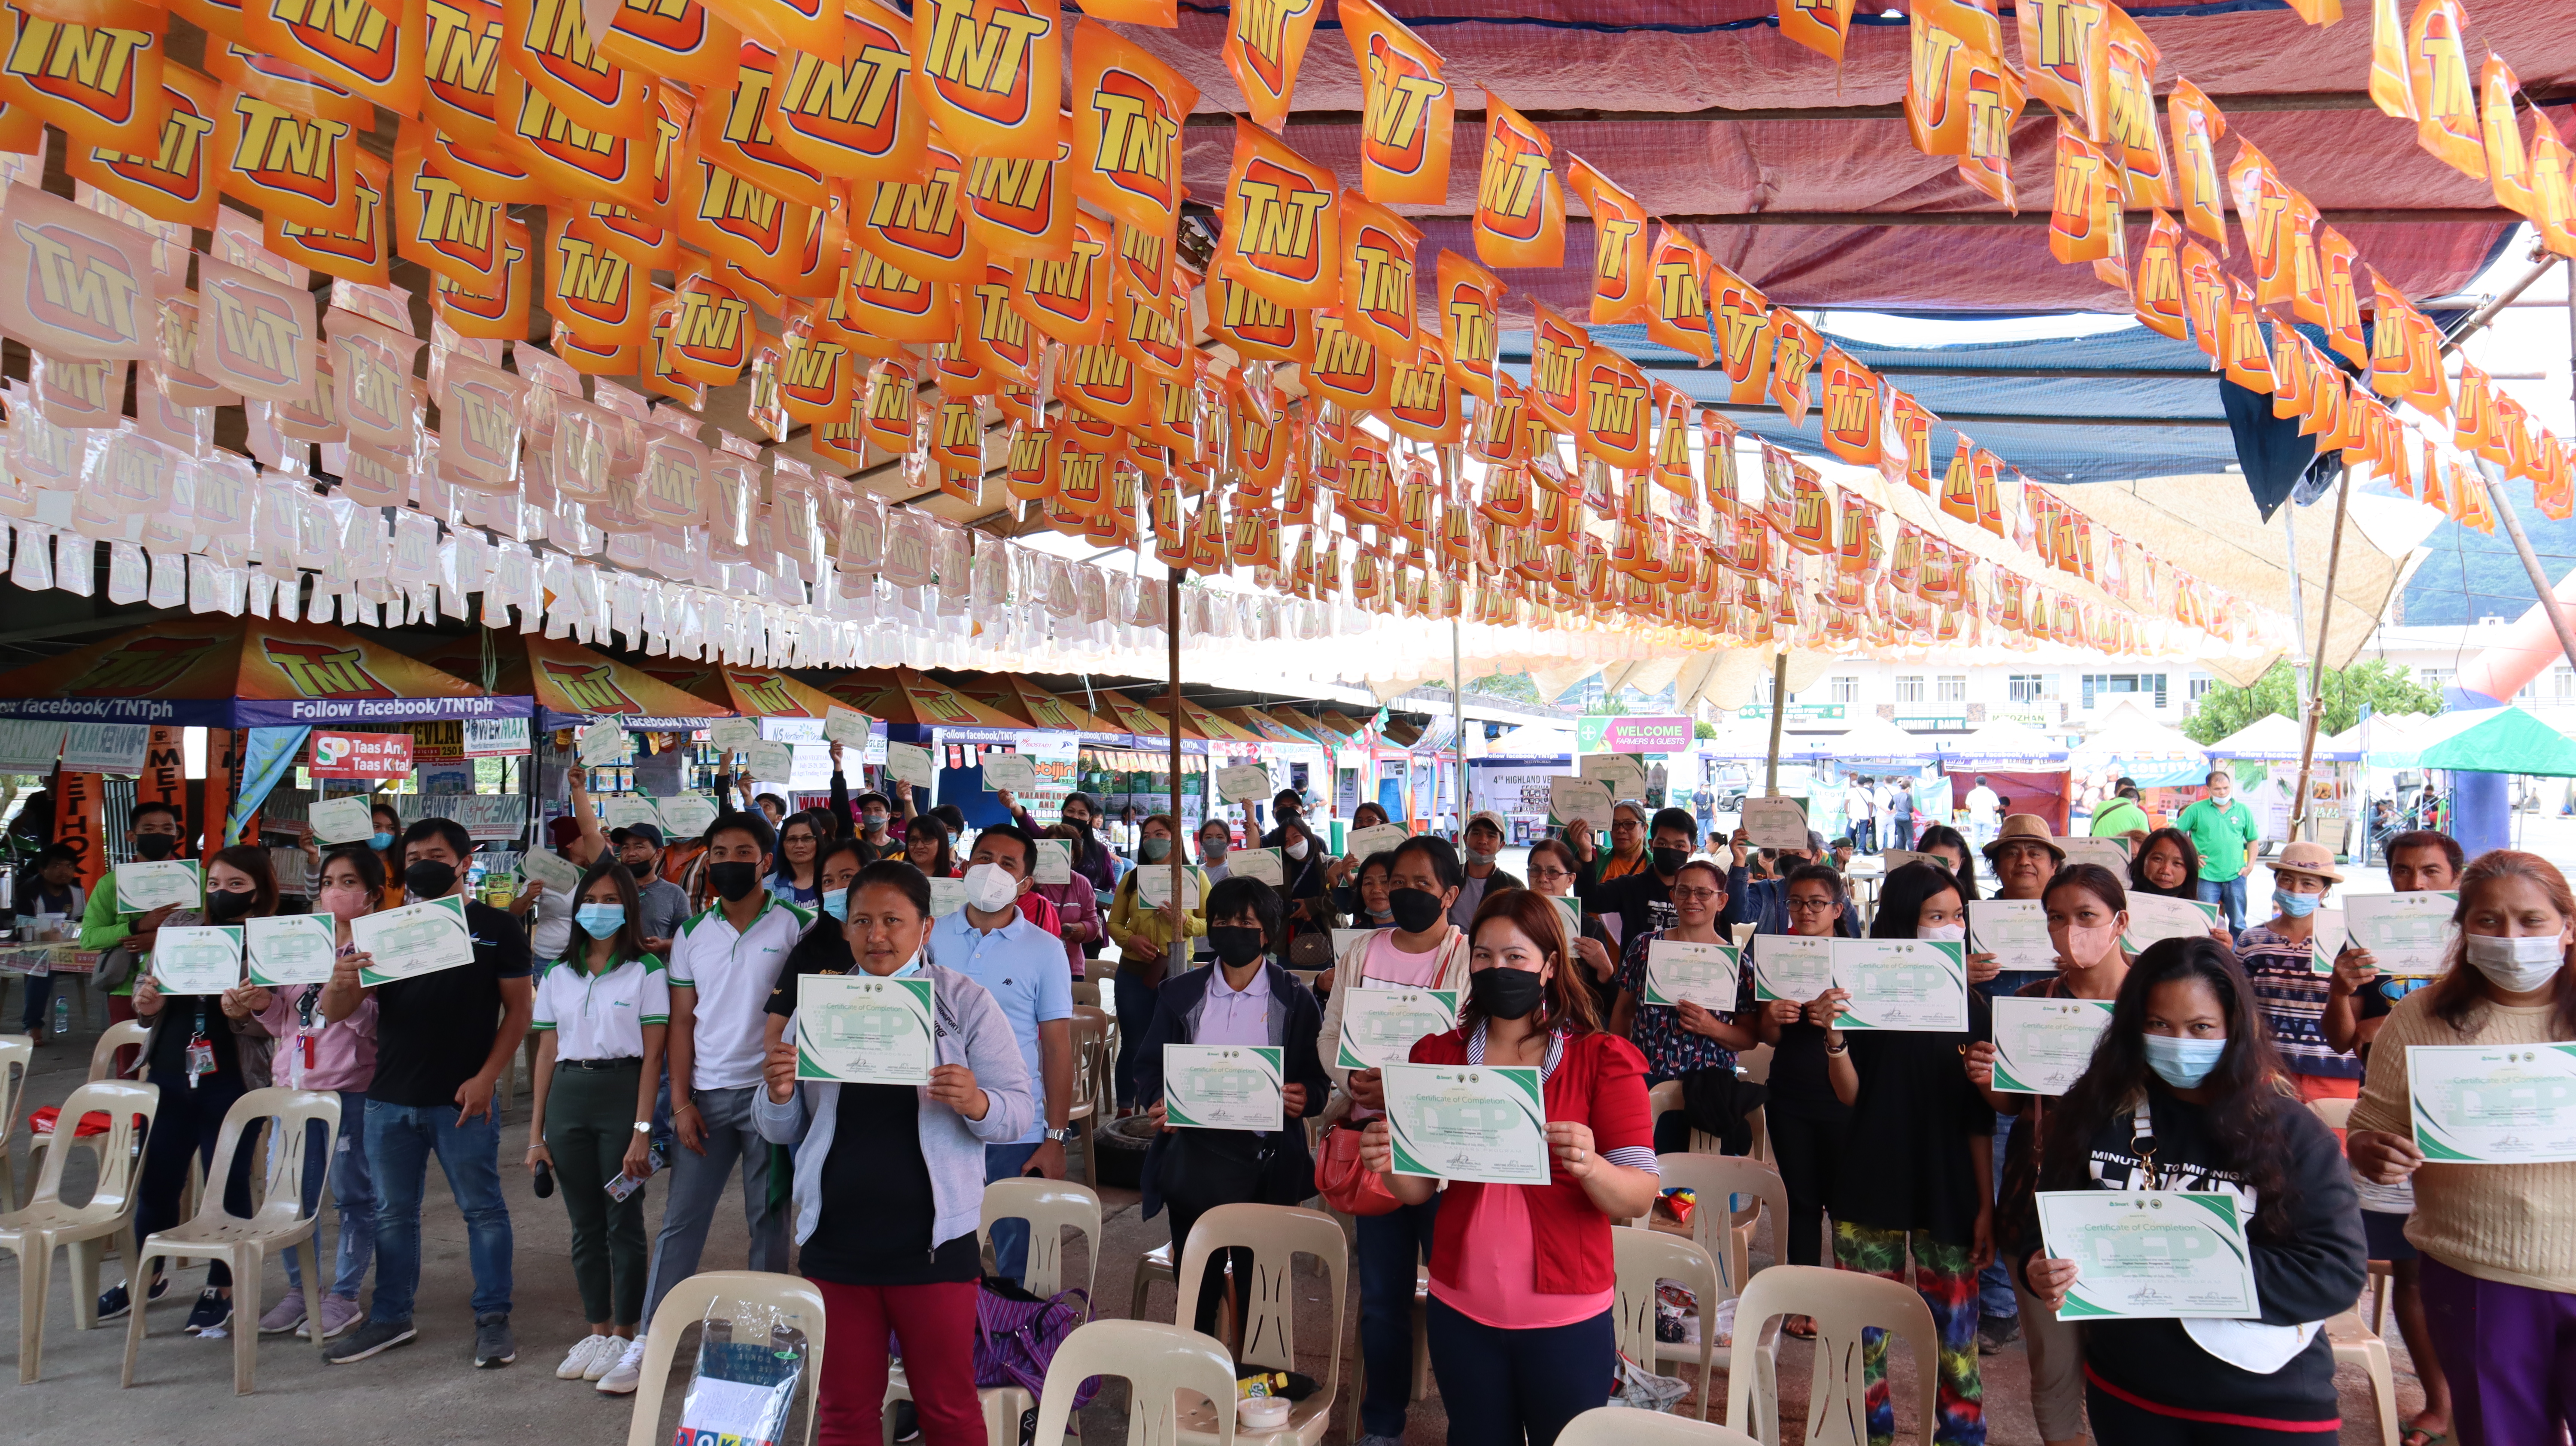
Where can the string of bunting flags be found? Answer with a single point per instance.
(882, 225)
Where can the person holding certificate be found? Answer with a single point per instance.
(1809, 1124)
(1240, 999)
(202, 1052)
(1522, 1285)
(1554, 873)
(2184, 1095)
(890, 1178)
(126, 935)
(1925, 1132)
(800, 844)
(1145, 936)
(2498, 1237)
(1677, 1039)
(2166, 865)
(603, 1010)
(2280, 956)
(2087, 914)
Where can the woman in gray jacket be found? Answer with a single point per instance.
(890, 1178)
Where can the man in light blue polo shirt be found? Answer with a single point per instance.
(1022, 966)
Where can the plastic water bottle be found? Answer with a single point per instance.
(62, 1014)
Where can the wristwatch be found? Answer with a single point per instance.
(1059, 1136)
(643, 1127)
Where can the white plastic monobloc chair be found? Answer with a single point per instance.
(1842, 1303)
(1642, 1258)
(128, 1034)
(1618, 1426)
(1276, 1235)
(687, 1304)
(1159, 1362)
(279, 1222)
(1727, 1233)
(17, 1060)
(1050, 1207)
(34, 1233)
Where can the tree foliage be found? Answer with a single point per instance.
(1515, 687)
(2384, 685)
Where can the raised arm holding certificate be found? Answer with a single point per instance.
(205, 960)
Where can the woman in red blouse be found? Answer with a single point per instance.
(1521, 1277)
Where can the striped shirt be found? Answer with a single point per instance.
(2291, 995)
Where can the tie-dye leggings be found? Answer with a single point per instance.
(1947, 1282)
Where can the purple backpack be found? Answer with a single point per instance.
(1016, 1336)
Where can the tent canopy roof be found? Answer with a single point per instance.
(2271, 736)
(908, 696)
(215, 670)
(2005, 738)
(1874, 738)
(569, 680)
(2127, 733)
(1033, 706)
(2496, 740)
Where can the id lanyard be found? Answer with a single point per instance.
(201, 1050)
(2142, 1143)
(307, 1031)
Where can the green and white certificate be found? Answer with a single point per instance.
(2015, 931)
(149, 885)
(1704, 974)
(686, 815)
(1914, 984)
(2150, 1254)
(1377, 838)
(1789, 966)
(1486, 1123)
(860, 1029)
(413, 940)
(1224, 1086)
(2491, 1105)
(2042, 1046)
(1261, 864)
(197, 960)
(291, 949)
(341, 820)
(1380, 1025)
(2406, 934)
(947, 896)
(2154, 919)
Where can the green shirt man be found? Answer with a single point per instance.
(2221, 829)
(2120, 818)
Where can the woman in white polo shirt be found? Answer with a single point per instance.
(602, 1011)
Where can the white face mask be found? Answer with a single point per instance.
(990, 888)
(1297, 850)
(1944, 933)
(2517, 963)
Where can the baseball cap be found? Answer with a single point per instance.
(1487, 815)
(650, 833)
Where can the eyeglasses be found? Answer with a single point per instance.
(1700, 896)
(1810, 906)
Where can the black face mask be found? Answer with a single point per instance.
(734, 880)
(1415, 910)
(229, 903)
(1502, 993)
(1237, 947)
(1669, 861)
(429, 879)
(156, 845)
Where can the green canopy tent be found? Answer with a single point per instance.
(2493, 740)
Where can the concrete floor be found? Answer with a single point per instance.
(429, 1394)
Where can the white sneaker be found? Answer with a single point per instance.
(607, 1359)
(623, 1377)
(577, 1361)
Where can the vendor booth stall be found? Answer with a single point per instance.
(2023, 766)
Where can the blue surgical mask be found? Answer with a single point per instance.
(836, 902)
(380, 841)
(2183, 1063)
(2295, 906)
(600, 920)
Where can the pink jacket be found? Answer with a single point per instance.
(1077, 910)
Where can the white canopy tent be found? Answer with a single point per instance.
(2272, 738)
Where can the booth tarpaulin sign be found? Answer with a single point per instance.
(218, 671)
(1596, 733)
(339, 754)
(572, 684)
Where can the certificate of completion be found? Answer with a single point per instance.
(341, 820)
(1916, 984)
(1017, 772)
(2043, 1045)
(1262, 864)
(859, 1029)
(2490, 1105)
(1055, 861)
(2408, 934)
(1786, 966)
(197, 961)
(1377, 838)
(686, 815)
(1479, 1122)
(413, 940)
(2154, 919)
(291, 949)
(1154, 886)
(149, 885)
(2015, 931)
(1380, 1025)
(1223, 1086)
(1704, 974)
(2150, 1254)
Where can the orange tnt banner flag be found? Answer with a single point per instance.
(2084, 179)
(1676, 314)
(2473, 421)
(2263, 207)
(1127, 112)
(1470, 301)
(2508, 165)
(2336, 258)
(854, 114)
(1672, 466)
(1068, 300)
(285, 160)
(171, 180)
(1258, 328)
(2155, 280)
(1520, 208)
(592, 289)
(1819, 25)
(2389, 87)
(992, 74)
(1264, 46)
(2065, 58)
(1994, 100)
(1851, 409)
(1282, 223)
(1018, 207)
(1959, 484)
(2555, 491)
(920, 226)
(1378, 276)
(2247, 362)
(1618, 419)
(548, 44)
(1422, 398)
(360, 254)
(1620, 279)
(1407, 110)
(92, 67)
(1794, 354)
(373, 50)
(882, 300)
(2131, 140)
(1747, 335)
(2437, 77)
(1913, 422)
(1945, 36)
(1557, 347)
(2197, 127)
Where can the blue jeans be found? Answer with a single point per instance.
(2229, 894)
(344, 1162)
(400, 1140)
(40, 992)
(1392, 1247)
(1010, 1237)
